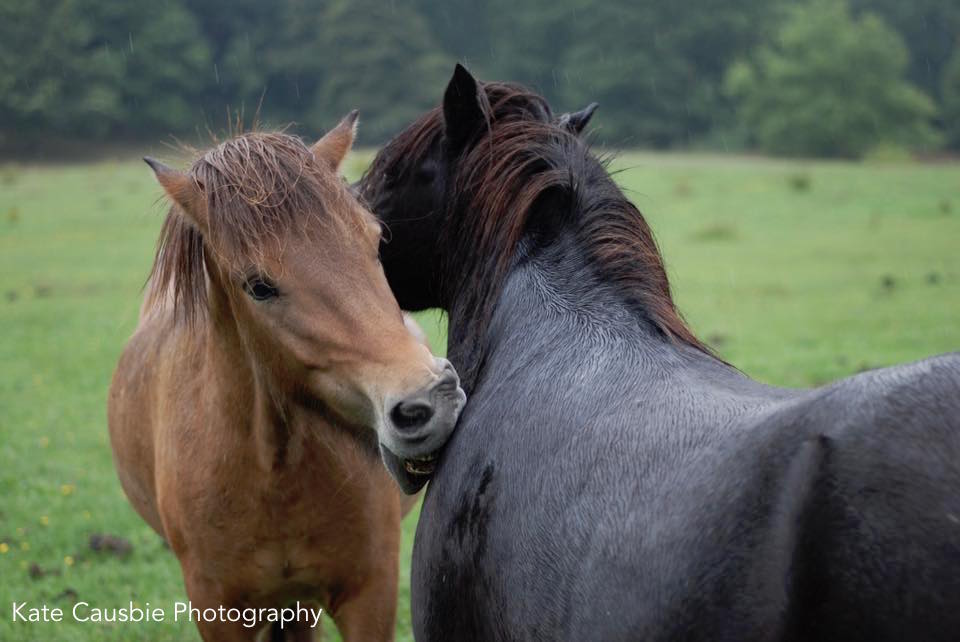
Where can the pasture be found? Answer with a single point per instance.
(796, 272)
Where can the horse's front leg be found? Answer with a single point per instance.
(368, 613)
(204, 594)
(292, 632)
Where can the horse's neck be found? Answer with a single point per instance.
(261, 415)
(559, 306)
(555, 302)
(602, 351)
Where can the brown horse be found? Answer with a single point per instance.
(270, 363)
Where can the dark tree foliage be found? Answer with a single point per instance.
(381, 49)
(103, 70)
(931, 30)
(97, 69)
(795, 99)
(951, 99)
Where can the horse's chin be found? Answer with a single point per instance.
(410, 474)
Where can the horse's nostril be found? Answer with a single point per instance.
(411, 414)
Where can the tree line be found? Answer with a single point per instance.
(803, 77)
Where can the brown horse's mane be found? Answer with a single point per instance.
(522, 156)
(260, 187)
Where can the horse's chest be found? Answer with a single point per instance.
(297, 560)
(287, 539)
(291, 557)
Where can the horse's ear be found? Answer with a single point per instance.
(578, 120)
(463, 113)
(333, 147)
(182, 189)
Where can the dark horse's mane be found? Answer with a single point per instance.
(519, 158)
(259, 187)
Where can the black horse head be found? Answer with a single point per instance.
(409, 183)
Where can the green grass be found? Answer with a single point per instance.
(798, 273)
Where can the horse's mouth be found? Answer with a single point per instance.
(421, 466)
(410, 474)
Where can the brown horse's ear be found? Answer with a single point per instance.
(183, 190)
(333, 147)
(463, 107)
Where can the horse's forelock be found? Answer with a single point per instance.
(260, 187)
(501, 102)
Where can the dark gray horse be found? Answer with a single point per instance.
(612, 479)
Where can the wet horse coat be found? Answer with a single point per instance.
(610, 478)
(270, 372)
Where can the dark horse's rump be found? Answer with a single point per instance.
(610, 479)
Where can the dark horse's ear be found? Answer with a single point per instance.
(463, 112)
(578, 120)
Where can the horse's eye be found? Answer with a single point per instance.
(260, 288)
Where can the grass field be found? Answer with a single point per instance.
(798, 273)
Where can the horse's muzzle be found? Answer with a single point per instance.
(418, 426)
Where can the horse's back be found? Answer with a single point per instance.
(878, 556)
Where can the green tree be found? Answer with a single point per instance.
(642, 71)
(830, 85)
(380, 58)
(240, 34)
(951, 100)
(98, 69)
(655, 67)
(81, 69)
(929, 28)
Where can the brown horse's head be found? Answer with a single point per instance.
(267, 244)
